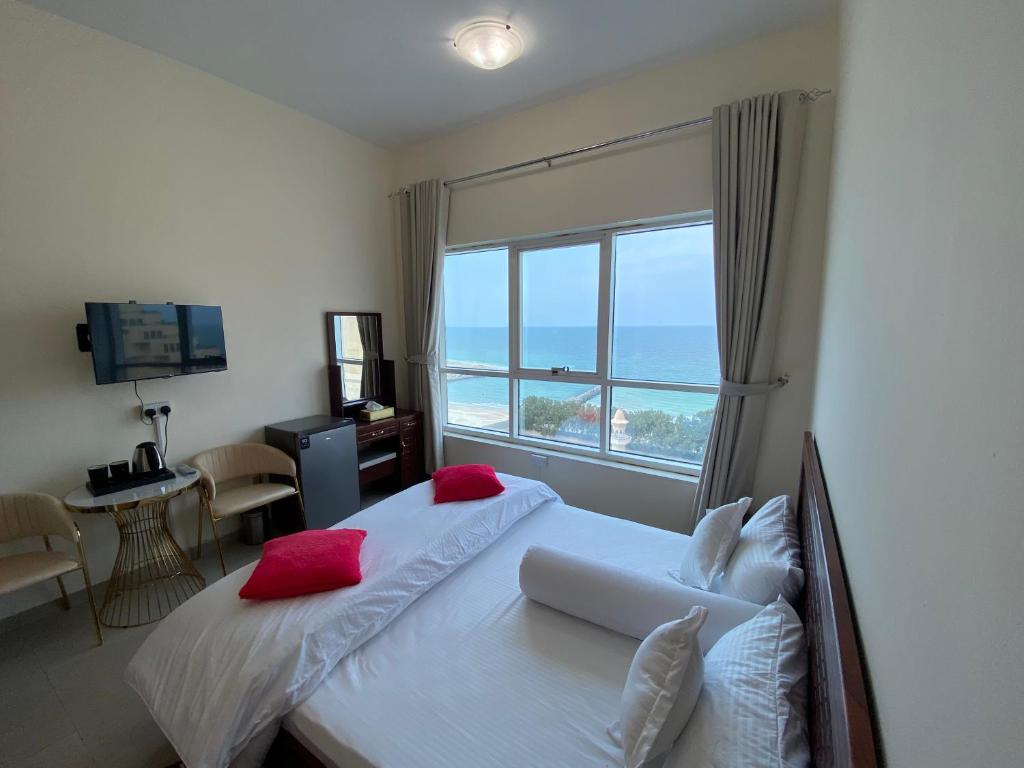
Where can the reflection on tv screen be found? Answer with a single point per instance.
(145, 341)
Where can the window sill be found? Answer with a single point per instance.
(681, 475)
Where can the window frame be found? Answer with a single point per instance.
(605, 237)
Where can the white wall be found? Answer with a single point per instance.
(124, 174)
(665, 177)
(919, 387)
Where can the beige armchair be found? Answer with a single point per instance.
(35, 514)
(234, 462)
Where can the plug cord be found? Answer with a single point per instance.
(142, 407)
(150, 414)
(167, 423)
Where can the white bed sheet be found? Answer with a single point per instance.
(423, 692)
(219, 673)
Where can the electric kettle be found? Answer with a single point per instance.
(147, 459)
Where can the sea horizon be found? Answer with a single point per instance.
(670, 353)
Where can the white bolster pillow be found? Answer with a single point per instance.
(624, 601)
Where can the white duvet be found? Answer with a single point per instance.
(220, 671)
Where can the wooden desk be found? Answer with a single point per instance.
(401, 435)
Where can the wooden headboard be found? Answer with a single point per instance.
(839, 721)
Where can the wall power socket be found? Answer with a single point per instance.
(156, 405)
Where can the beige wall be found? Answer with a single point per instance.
(918, 406)
(648, 497)
(124, 174)
(665, 177)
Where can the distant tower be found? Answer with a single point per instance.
(619, 437)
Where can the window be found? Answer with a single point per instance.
(602, 344)
(349, 354)
(558, 300)
(476, 339)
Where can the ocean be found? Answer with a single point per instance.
(682, 354)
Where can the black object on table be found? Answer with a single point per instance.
(115, 485)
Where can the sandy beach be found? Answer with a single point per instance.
(478, 416)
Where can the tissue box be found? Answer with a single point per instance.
(383, 413)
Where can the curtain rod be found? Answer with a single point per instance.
(805, 96)
(812, 95)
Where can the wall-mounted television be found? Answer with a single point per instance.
(131, 342)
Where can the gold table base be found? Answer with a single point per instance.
(152, 575)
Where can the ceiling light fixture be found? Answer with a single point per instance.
(488, 44)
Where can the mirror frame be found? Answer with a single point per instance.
(332, 341)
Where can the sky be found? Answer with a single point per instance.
(662, 277)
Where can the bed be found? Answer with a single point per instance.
(472, 673)
(482, 674)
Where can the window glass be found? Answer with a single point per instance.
(478, 401)
(476, 309)
(565, 413)
(559, 307)
(660, 304)
(352, 380)
(660, 424)
(663, 310)
(348, 339)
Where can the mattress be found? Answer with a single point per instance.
(475, 674)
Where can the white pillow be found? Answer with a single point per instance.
(620, 599)
(661, 690)
(712, 542)
(752, 709)
(766, 562)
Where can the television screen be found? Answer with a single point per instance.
(151, 341)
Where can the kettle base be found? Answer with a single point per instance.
(135, 481)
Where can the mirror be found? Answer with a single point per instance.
(355, 345)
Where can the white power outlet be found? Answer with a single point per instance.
(159, 423)
(156, 406)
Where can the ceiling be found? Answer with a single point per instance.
(385, 70)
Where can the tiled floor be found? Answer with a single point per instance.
(62, 698)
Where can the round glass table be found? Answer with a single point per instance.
(151, 575)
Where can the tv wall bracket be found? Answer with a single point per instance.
(84, 337)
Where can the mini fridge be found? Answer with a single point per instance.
(324, 449)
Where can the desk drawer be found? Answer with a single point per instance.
(371, 433)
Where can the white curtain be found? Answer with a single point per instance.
(423, 225)
(756, 149)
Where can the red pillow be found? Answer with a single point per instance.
(306, 562)
(465, 482)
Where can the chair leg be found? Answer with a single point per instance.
(199, 533)
(302, 507)
(220, 551)
(88, 594)
(63, 594)
(60, 582)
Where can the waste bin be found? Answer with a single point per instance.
(252, 527)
